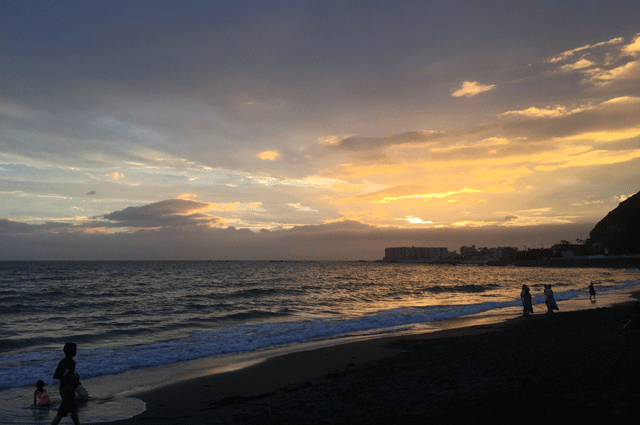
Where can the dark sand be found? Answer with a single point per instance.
(569, 366)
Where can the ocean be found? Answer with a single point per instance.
(133, 316)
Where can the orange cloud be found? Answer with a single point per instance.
(548, 112)
(344, 188)
(269, 155)
(400, 192)
(603, 136)
(603, 77)
(634, 47)
(414, 220)
(115, 175)
(601, 157)
(187, 196)
(567, 54)
(581, 64)
(472, 88)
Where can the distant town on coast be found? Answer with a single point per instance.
(613, 242)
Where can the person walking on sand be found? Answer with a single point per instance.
(525, 296)
(592, 292)
(550, 300)
(69, 379)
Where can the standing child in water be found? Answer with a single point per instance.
(40, 396)
(69, 379)
(592, 292)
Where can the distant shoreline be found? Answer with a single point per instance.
(621, 262)
(605, 262)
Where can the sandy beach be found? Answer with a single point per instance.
(572, 365)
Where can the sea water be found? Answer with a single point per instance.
(131, 316)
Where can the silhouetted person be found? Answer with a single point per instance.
(40, 396)
(550, 301)
(69, 379)
(525, 296)
(592, 292)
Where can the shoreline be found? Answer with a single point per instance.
(372, 380)
(580, 262)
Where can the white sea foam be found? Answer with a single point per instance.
(23, 369)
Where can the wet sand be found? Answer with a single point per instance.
(571, 365)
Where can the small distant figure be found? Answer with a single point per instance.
(40, 396)
(550, 301)
(592, 292)
(69, 381)
(525, 296)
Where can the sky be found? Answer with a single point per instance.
(312, 130)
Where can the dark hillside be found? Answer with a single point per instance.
(619, 231)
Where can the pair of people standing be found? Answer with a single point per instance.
(525, 295)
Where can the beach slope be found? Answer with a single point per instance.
(569, 366)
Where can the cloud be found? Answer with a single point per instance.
(299, 207)
(409, 191)
(634, 47)
(472, 88)
(569, 53)
(623, 198)
(580, 64)
(548, 112)
(187, 196)
(10, 226)
(115, 175)
(269, 155)
(603, 64)
(171, 212)
(603, 77)
(359, 143)
(517, 155)
(344, 188)
(539, 124)
(342, 240)
(599, 157)
(603, 135)
(415, 220)
(330, 140)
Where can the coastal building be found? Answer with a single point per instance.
(566, 249)
(415, 254)
(507, 253)
(483, 255)
(468, 255)
(467, 251)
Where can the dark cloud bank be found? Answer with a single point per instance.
(338, 241)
